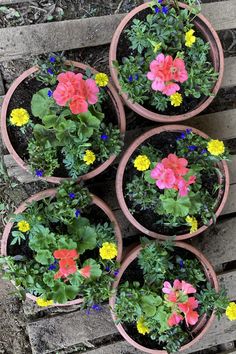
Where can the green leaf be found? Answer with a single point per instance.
(71, 292)
(48, 279)
(178, 207)
(44, 257)
(41, 103)
(95, 271)
(66, 243)
(148, 178)
(49, 120)
(85, 236)
(59, 293)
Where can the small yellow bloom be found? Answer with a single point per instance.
(44, 303)
(142, 329)
(89, 157)
(142, 163)
(176, 99)
(101, 79)
(231, 311)
(19, 117)
(192, 221)
(108, 250)
(216, 147)
(190, 38)
(23, 226)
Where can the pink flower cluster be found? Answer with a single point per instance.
(187, 308)
(170, 172)
(165, 72)
(76, 91)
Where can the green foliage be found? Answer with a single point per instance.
(56, 68)
(41, 104)
(54, 226)
(160, 33)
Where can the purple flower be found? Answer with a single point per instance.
(183, 136)
(136, 76)
(52, 59)
(71, 195)
(39, 173)
(188, 131)
(50, 71)
(53, 265)
(104, 137)
(49, 93)
(116, 272)
(160, 1)
(157, 10)
(204, 151)
(130, 78)
(165, 10)
(107, 269)
(77, 213)
(181, 263)
(96, 307)
(192, 147)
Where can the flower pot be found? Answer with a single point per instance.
(120, 183)
(118, 107)
(203, 324)
(51, 193)
(216, 52)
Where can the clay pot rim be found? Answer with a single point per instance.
(51, 193)
(137, 107)
(120, 176)
(53, 179)
(128, 259)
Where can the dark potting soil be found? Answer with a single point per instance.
(21, 98)
(134, 273)
(164, 142)
(124, 51)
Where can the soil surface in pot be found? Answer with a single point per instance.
(123, 51)
(21, 98)
(166, 143)
(135, 273)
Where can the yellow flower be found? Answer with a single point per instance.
(155, 45)
(231, 311)
(216, 147)
(19, 117)
(192, 221)
(23, 226)
(44, 303)
(190, 38)
(141, 326)
(176, 99)
(108, 250)
(89, 157)
(101, 79)
(142, 163)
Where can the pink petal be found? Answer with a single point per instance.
(187, 288)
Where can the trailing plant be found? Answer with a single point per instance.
(173, 186)
(164, 305)
(70, 131)
(61, 255)
(167, 60)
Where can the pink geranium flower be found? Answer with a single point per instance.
(165, 72)
(165, 177)
(183, 185)
(85, 271)
(78, 105)
(72, 89)
(174, 319)
(191, 317)
(63, 93)
(177, 164)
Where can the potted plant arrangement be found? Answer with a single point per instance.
(63, 120)
(62, 247)
(173, 181)
(166, 60)
(165, 297)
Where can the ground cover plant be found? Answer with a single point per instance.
(62, 248)
(163, 60)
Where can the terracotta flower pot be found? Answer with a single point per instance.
(54, 179)
(222, 195)
(204, 323)
(51, 193)
(217, 57)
